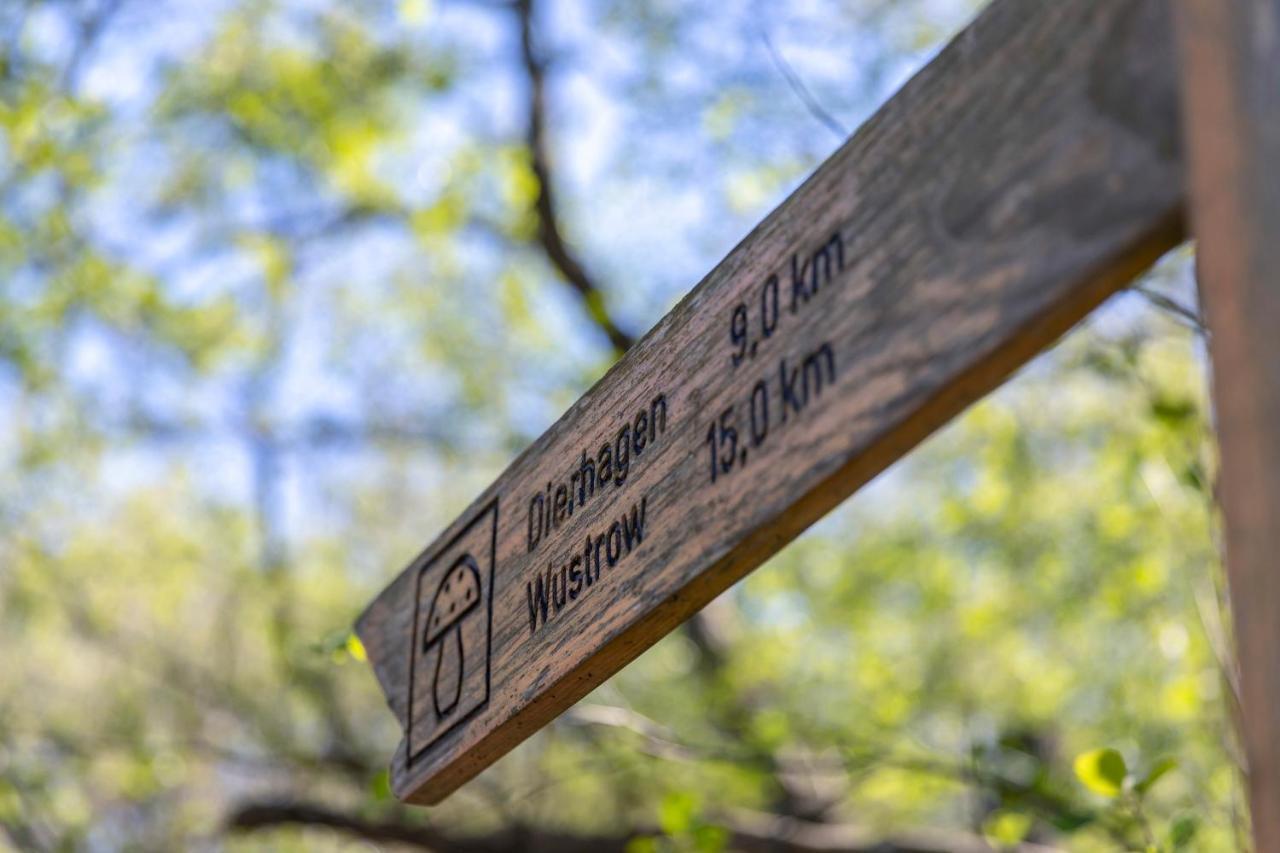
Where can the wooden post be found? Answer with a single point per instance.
(1231, 86)
(1032, 169)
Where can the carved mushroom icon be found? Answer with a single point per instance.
(457, 595)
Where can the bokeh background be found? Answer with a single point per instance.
(285, 283)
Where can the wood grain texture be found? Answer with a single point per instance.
(1231, 85)
(1025, 174)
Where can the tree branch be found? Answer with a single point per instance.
(747, 832)
(517, 839)
(91, 26)
(548, 236)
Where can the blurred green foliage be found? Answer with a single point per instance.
(272, 310)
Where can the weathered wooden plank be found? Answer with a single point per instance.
(1231, 90)
(1028, 172)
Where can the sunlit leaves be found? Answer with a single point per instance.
(274, 258)
(441, 218)
(324, 193)
(1102, 771)
(519, 187)
(43, 128)
(718, 120)
(355, 648)
(353, 147)
(1007, 828)
(332, 101)
(680, 818)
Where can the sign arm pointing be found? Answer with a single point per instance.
(1029, 171)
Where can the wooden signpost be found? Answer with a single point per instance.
(1031, 170)
(1230, 55)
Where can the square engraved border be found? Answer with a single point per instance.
(490, 512)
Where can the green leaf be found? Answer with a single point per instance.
(1006, 828)
(1069, 821)
(1160, 768)
(1173, 411)
(380, 786)
(710, 839)
(355, 648)
(1183, 830)
(677, 812)
(1102, 771)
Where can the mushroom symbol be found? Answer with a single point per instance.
(457, 595)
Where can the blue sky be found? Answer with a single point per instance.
(657, 186)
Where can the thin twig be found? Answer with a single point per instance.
(802, 91)
(1189, 316)
(548, 235)
(91, 28)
